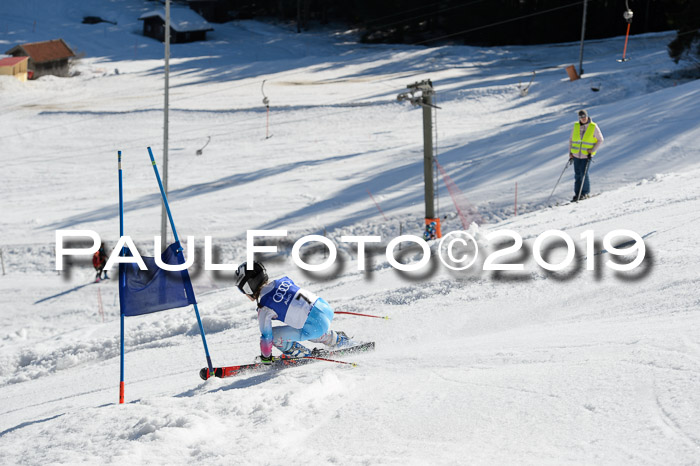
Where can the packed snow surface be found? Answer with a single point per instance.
(532, 366)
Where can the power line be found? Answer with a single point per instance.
(405, 11)
(393, 15)
(405, 20)
(498, 23)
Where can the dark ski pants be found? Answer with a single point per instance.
(579, 168)
(99, 271)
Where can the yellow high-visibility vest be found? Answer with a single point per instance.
(584, 145)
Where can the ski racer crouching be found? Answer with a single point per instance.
(307, 317)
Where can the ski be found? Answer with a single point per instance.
(580, 200)
(282, 362)
(359, 348)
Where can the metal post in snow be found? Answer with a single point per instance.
(425, 100)
(628, 15)
(122, 278)
(177, 240)
(428, 155)
(435, 156)
(583, 35)
(627, 36)
(163, 223)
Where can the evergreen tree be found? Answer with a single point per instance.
(686, 20)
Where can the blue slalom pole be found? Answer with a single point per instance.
(122, 277)
(177, 240)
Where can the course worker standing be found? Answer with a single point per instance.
(586, 138)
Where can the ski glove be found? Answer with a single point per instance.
(590, 156)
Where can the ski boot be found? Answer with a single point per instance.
(259, 360)
(342, 340)
(297, 350)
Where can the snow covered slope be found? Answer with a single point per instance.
(578, 366)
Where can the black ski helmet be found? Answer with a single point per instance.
(250, 281)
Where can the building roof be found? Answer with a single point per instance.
(12, 61)
(41, 52)
(181, 19)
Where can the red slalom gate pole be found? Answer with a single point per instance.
(375, 203)
(99, 302)
(362, 315)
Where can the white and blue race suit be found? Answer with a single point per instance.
(307, 317)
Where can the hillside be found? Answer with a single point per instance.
(577, 366)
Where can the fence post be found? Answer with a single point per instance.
(99, 304)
